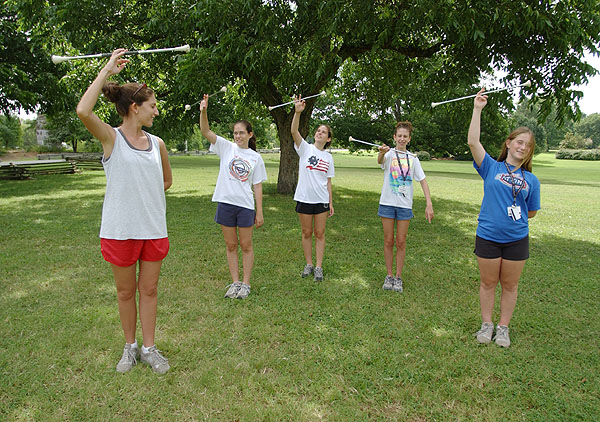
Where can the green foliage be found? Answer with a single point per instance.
(423, 156)
(572, 141)
(28, 129)
(10, 131)
(578, 154)
(589, 127)
(66, 127)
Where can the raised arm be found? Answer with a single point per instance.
(85, 109)
(204, 127)
(299, 106)
(475, 146)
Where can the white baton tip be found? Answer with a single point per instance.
(188, 107)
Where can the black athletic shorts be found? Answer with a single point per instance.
(304, 208)
(513, 251)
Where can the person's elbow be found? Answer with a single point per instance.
(531, 214)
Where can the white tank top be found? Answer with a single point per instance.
(134, 203)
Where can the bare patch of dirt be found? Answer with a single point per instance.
(16, 155)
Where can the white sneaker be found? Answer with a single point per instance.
(243, 292)
(484, 335)
(233, 290)
(156, 360)
(129, 358)
(501, 338)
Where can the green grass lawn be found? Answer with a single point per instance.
(296, 350)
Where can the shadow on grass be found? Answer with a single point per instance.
(58, 295)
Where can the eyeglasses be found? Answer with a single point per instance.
(139, 89)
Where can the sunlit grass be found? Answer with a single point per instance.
(295, 350)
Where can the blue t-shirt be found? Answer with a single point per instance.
(494, 221)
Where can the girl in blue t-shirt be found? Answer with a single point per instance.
(511, 195)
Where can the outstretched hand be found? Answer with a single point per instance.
(116, 64)
(384, 148)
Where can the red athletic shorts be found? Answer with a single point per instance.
(124, 253)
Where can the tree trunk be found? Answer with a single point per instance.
(74, 144)
(288, 162)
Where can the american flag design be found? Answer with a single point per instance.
(315, 163)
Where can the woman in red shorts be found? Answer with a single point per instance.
(134, 226)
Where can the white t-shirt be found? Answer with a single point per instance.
(134, 204)
(397, 190)
(315, 167)
(240, 169)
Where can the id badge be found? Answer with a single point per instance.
(403, 191)
(514, 212)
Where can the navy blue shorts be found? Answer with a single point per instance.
(233, 216)
(513, 251)
(304, 208)
(395, 213)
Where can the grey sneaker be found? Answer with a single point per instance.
(388, 283)
(233, 290)
(501, 338)
(129, 358)
(318, 274)
(244, 291)
(398, 285)
(158, 362)
(308, 270)
(484, 335)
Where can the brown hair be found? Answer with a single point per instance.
(526, 164)
(252, 140)
(405, 125)
(329, 134)
(125, 95)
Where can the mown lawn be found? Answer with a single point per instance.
(296, 350)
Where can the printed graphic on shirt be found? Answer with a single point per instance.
(315, 163)
(400, 178)
(517, 181)
(239, 169)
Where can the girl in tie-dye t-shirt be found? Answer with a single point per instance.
(401, 168)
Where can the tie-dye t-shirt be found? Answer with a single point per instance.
(398, 178)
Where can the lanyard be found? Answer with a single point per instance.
(513, 184)
(404, 176)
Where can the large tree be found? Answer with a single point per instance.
(286, 47)
(282, 47)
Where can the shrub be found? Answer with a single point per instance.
(577, 154)
(423, 156)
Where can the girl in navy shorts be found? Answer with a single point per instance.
(313, 193)
(134, 226)
(241, 170)
(511, 195)
(395, 204)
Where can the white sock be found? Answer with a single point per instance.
(145, 349)
(133, 345)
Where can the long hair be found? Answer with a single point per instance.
(526, 163)
(329, 134)
(125, 95)
(252, 140)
